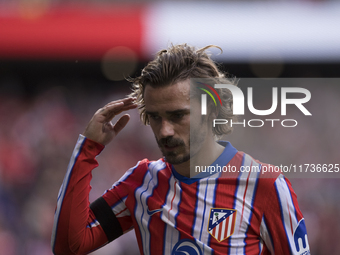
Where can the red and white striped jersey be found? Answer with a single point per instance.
(173, 214)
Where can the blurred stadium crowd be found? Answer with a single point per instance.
(44, 106)
(37, 136)
(38, 133)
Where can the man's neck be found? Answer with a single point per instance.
(205, 157)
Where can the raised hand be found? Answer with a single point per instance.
(100, 129)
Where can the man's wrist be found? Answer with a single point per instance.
(91, 146)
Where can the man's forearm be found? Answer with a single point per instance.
(72, 233)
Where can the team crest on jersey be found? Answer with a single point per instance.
(221, 223)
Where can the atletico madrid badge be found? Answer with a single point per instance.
(221, 223)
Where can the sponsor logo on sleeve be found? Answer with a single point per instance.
(300, 239)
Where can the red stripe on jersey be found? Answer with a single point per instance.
(244, 195)
(172, 200)
(266, 204)
(262, 200)
(214, 231)
(121, 212)
(156, 201)
(224, 197)
(186, 217)
(298, 215)
(290, 218)
(219, 237)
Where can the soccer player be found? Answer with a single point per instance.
(171, 211)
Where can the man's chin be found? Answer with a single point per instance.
(176, 160)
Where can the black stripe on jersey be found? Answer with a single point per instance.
(107, 219)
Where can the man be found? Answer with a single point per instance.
(172, 211)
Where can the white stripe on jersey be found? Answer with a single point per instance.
(264, 233)
(205, 202)
(261, 247)
(141, 195)
(93, 224)
(243, 204)
(171, 235)
(120, 209)
(64, 185)
(289, 220)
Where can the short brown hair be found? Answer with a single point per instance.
(178, 63)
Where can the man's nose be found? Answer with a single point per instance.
(167, 129)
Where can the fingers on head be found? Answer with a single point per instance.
(121, 123)
(125, 101)
(116, 107)
(111, 109)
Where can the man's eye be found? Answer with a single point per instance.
(154, 117)
(178, 116)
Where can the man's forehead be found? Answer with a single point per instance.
(183, 85)
(167, 106)
(179, 90)
(167, 99)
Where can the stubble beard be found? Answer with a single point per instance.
(179, 155)
(185, 151)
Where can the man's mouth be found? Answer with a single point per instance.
(170, 147)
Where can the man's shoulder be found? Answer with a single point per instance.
(150, 165)
(263, 170)
(245, 169)
(263, 175)
(137, 173)
(147, 162)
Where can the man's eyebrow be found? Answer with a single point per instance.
(148, 112)
(178, 111)
(170, 112)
